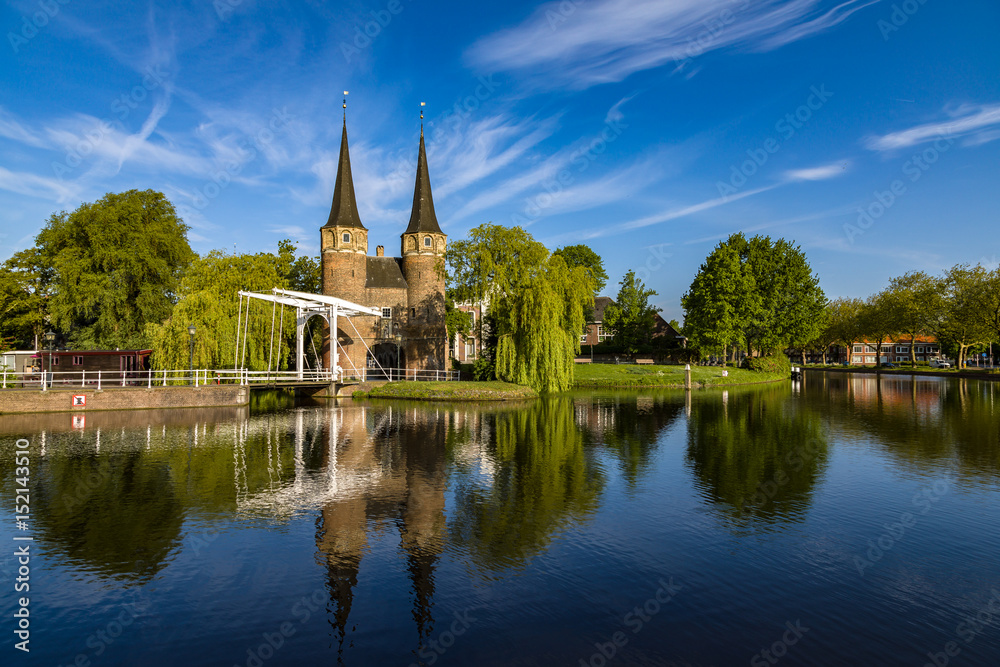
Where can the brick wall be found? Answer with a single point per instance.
(14, 401)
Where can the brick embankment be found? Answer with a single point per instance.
(349, 389)
(16, 401)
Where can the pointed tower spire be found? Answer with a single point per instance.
(422, 218)
(344, 211)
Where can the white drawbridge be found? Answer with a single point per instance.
(306, 306)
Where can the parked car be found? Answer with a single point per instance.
(938, 363)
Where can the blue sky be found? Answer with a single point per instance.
(867, 131)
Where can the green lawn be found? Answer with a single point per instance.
(452, 391)
(629, 375)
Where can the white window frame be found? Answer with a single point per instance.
(387, 312)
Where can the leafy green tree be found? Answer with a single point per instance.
(879, 321)
(630, 317)
(537, 303)
(963, 323)
(116, 265)
(25, 289)
(209, 301)
(583, 255)
(759, 292)
(720, 301)
(916, 298)
(843, 323)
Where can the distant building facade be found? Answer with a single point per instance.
(409, 290)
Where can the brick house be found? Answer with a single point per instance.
(409, 289)
(466, 349)
(597, 334)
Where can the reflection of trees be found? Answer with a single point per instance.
(921, 421)
(540, 481)
(629, 424)
(114, 514)
(756, 452)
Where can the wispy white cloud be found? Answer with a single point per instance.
(34, 185)
(817, 173)
(966, 120)
(575, 45)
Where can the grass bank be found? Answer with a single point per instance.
(451, 391)
(625, 376)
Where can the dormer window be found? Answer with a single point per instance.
(347, 237)
(427, 242)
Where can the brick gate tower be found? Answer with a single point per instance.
(409, 290)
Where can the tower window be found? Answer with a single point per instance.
(347, 237)
(386, 312)
(413, 312)
(427, 242)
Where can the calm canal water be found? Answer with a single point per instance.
(847, 522)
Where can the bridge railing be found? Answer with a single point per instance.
(101, 379)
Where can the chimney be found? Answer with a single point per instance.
(379, 251)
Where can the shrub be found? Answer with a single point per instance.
(774, 362)
(484, 370)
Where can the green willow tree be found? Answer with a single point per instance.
(117, 265)
(630, 318)
(209, 301)
(535, 300)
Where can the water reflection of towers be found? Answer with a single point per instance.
(394, 465)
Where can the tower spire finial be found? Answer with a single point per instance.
(345, 105)
(422, 105)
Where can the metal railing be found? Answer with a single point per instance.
(202, 377)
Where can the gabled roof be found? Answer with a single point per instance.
(422, 218)
(384, 272)
(344, 211)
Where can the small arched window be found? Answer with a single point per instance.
(427, 242)
(347, 237)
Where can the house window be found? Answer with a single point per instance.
(857, 349)
(583, 338)
(920, 350)
(347, 237)
(55, 361)
(472, 315)
(427, 242)
(900, 350)
(78, 361)
(470, 349)
(386, 312)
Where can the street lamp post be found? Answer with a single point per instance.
(398, 338)
(50, 340)
(191, 353)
